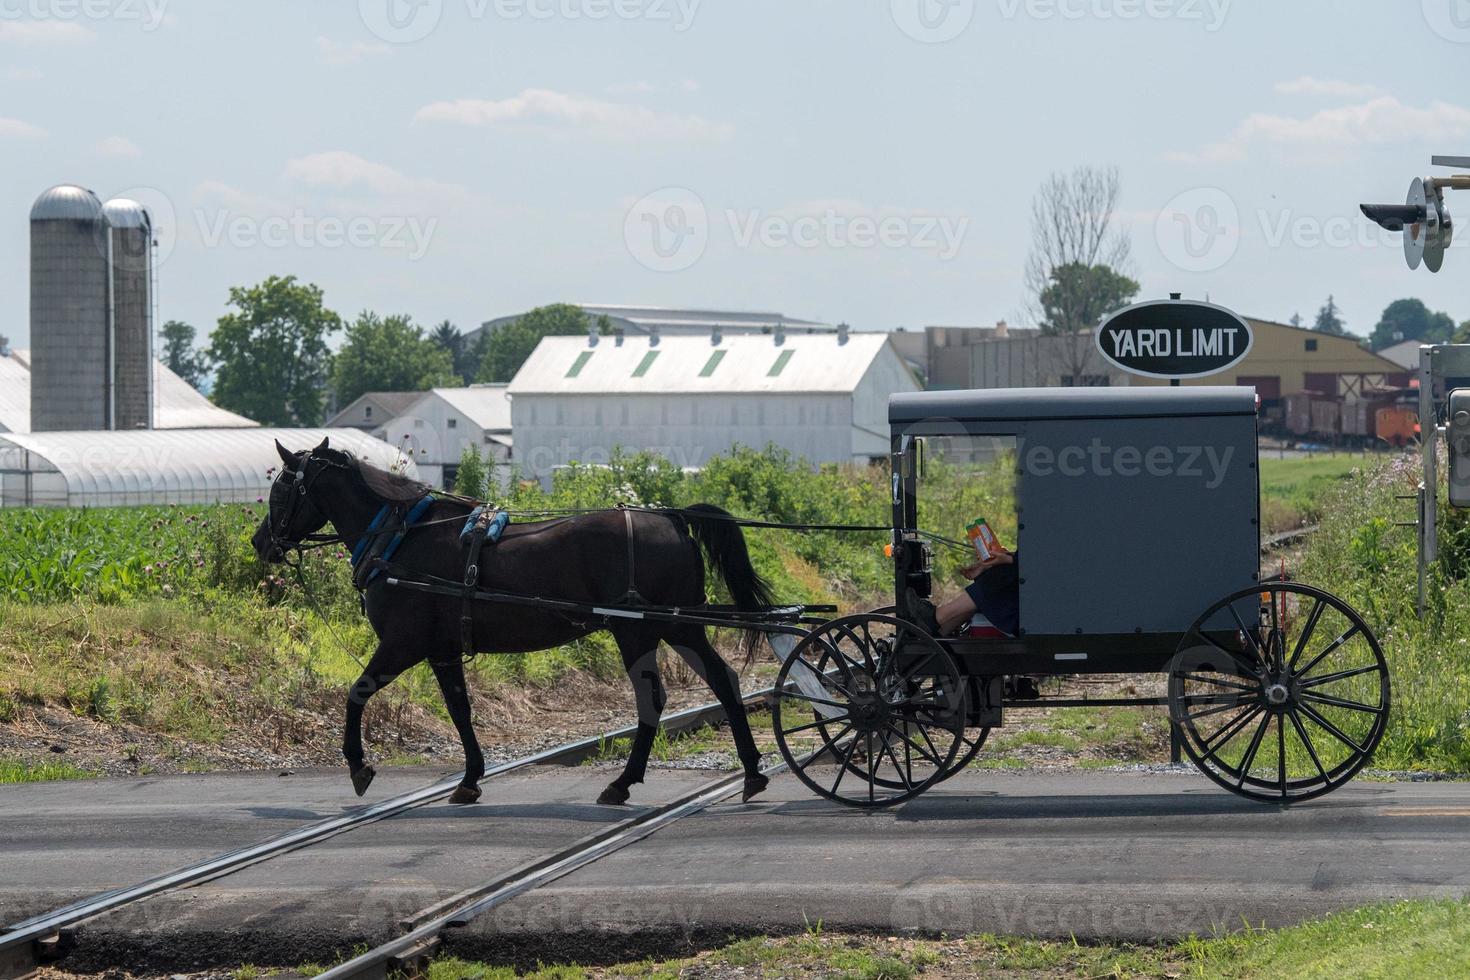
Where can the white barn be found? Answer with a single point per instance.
(437, 426)
(823, 397)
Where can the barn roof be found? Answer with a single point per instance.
(484, 405)
(1030, 404)
(805, 363)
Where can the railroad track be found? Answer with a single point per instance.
(25, 944)
(412, 951)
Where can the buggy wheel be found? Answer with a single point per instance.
(870, 711)
(1281, 692)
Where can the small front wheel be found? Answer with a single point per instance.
(870, 711)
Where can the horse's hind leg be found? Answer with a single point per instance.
(640, 659)
(379, 673)
(457, 699)
(691, 643)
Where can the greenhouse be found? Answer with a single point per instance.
(174, 466)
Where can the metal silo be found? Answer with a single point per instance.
(71, 326)
(131, 231)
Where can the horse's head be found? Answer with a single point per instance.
(291, 513)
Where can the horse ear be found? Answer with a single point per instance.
(322, 446)
(285, 454)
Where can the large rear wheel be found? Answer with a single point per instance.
(1281, 692)
(870, 711)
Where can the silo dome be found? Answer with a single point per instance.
(124, 213)
(67, 202)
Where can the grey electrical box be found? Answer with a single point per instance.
(1458, 436)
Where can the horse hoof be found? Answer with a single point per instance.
(464, 795)
(362, 779)
(614, 795)
(754, 786)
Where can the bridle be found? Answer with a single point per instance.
(298, 483)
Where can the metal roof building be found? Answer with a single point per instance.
(182, 466)
(823, 397)
(441, 422)
(648, 321)
(176, 405)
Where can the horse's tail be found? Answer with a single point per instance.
(723, 542)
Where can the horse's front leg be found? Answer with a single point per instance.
(380, 671)
(457, 698)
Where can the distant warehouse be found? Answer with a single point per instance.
(823, 397)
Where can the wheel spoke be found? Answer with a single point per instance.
(1250, 753)
(927, 740)
(909, 675)
(831, 744)
(1301, 733)
(1332, 729)
(1340, 702)
(1308, 628)
(1281, 753)
(1230, 729)
(871, 766)
(1341, 675)
(1200, 679)
(1250, 637)
(1330, 647)
(908, 783)
(846, 761)
(825, 678)
(1251, 669)
(814, 724)
(910, 743)
(814, 700)
(1226, 706)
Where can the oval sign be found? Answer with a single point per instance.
(1174, 338)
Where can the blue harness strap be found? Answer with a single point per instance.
(363, 546)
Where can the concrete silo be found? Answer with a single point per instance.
(72, 355)
(131, 242)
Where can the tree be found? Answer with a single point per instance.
(1462, 335)
(1410, 319)
(467, 355)
(1083, 294)
(388, 354)
(270, 355)
(1075, 249)
(508, 347)
(1329, 320)
(179, 355)
(1296, 320)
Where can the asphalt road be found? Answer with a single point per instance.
(1094, 855)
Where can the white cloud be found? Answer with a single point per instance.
(16, 129)
(44, 32)
(340, 55)
(1307, 85)
(1378, 121)
(15, 73)
(338, 170)
(119, 146)
(560, 110)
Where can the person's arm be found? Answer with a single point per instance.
(994, 561)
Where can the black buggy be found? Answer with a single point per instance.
(1138, 528)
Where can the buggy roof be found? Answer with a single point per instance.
(1005, 404)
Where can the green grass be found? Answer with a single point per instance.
(1293, 490)
(19, 771)
(1393, 941)
(666, 747)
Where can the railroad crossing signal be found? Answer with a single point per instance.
(1423, 217)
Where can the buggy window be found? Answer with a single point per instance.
(966, 478)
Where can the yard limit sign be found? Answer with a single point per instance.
(1173, 338)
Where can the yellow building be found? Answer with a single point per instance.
(1284, 360)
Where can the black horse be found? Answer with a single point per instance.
(604, 557)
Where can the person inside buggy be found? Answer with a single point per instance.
(994, 593)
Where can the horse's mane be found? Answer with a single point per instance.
(391, 488)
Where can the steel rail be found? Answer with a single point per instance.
(20, 941)
(415, 947)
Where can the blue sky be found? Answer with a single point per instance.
(863, 161)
